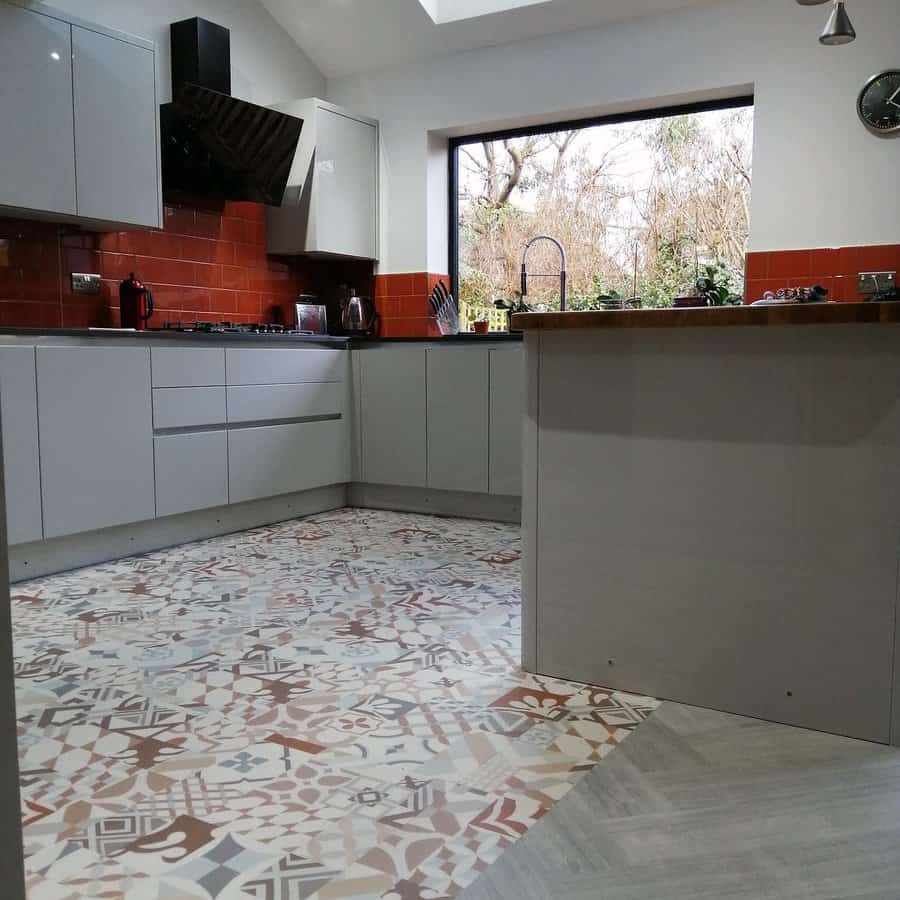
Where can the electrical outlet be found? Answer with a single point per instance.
(877, 282)
(85, 284)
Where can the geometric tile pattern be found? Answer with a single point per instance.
(326, 708)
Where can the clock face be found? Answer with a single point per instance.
(879, 103)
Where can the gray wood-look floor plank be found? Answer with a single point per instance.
(709, 806)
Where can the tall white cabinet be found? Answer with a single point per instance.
(80, 122)
(37, 143)
(331, 205)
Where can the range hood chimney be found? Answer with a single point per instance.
(215, 147)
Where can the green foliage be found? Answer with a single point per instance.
(716, 286)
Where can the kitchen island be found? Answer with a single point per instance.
(711, 514)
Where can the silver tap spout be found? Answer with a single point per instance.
(563, 272)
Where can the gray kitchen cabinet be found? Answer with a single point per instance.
(281, 459)
(393, 428)
(96, 437)
(507, 411)
(191, 472)
(188, 407)
(288, 366)
(181, 367)
(18, 403)
(331, 204)
(73, 98)
(116, 131)
(458, 382)
(267, 402)
(37, 148)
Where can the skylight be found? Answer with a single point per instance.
(444, 11)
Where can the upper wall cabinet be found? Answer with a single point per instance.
(331, 204)
(116, 147)
(80, 134)
(37, 143)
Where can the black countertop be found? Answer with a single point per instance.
(234, 337)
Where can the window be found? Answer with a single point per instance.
(644, 205)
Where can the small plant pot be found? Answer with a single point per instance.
(482, 327)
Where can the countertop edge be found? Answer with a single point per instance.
(887, 313)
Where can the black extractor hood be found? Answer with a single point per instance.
(214, 146)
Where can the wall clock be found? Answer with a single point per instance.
(879, 103)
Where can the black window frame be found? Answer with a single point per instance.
(740, 101)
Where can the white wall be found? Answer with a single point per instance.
(267, 66)
(820, 178)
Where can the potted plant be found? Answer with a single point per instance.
(512, 306)
(713, 289)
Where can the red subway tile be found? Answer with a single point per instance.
(420, 283)
(223, 253)
(234, 278)
(117, 266)
(167, 246)
(249, 256)
(195, 249)
(846, 289)
(108, 241)
(790, 264)
(223, 303)
(196, 299)
(207, 275)
(412, 307)
(825, 262)
(878, 258)
(248, 304)
(400, 285)
(757, 265)
(207, 225)
(234, 230)
(849, 261)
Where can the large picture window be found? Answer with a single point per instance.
(644, 205)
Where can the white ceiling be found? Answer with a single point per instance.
(343, 37)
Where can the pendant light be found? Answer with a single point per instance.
(839, 29)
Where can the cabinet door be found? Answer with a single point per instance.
(96, 434)
(18, 402)
(346, 186)
(191, 472)
(458, 387)
(392, 416)
(37, 149)
(507, 412)
(282, 459)
(115, 130)
(285, 366)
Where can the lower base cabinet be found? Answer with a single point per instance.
(282, 459)
(191, 472)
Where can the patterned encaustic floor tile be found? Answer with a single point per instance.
(327, 708)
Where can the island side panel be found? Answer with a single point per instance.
(718, 518)
(530, 455)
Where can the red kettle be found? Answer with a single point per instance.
(135, 304)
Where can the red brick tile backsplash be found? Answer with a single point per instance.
(202, 266)
(402, 304)
(835, 269)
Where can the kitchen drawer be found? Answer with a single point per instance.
(187, 366)
(257, 403)
(191, 472)
(188, 407)
(266, 366)
(282, 459)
